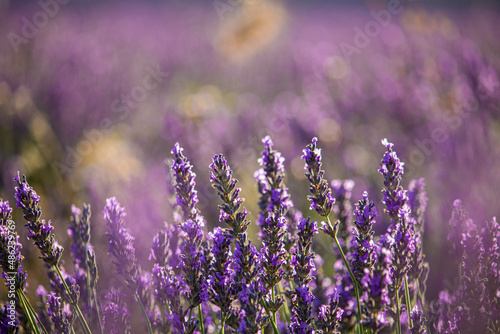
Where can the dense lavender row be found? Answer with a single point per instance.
(199, 281)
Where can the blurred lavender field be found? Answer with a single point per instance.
(93, 101)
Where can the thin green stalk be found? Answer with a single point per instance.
(285, 305)
(398, 313)
(29, 312)
(97, 301)
(408, 302)
(354, 282)
(275, 327)
(222, 323)
(35, 315)
(200, 316)
(145, 315)
(79, 313)
(273, 296)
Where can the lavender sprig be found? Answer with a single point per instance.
(61, 315)
(322, 202)
(329, 315)
(186, 198)
(115, 314)
(40, 232)
(342, 192)
(363, 255)
(223, 181)
(122, 248)
(273, 193)
(221, 277)
(419, 321)
(321, 195)
(395, 199)
(303, 265)
(86, 272)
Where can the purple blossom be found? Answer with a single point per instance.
(223, 181)
(303, 265)
(9, 324)
(60, 313)
(115, 314)
(363, 254)
(10, 249)
(342, 192)
(38, 229)
(419, 321)
(329, 315)
(273, 193)
(221, 275)
(417, 200)
(321, 199)
(120, 242)
(184, 184)
(273, 251)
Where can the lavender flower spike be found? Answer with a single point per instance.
(321, 198)
(363, 255)
(121, 243)
(222, 180)
(61, 315)
(419, 321)
(184, 184)
(116, 315)
(39, 230)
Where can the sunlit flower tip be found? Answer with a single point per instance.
(267, 141)
(387, 144)
(177, 149)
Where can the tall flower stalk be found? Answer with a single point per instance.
(402, 230)
(122, 248)
(40, 232)
(183, 182)
(322, 202)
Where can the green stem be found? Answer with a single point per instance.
(285, 305)
(79, 313)
(222, 323)
(200, 316)
(34, 314)
(398, 313)
(97, 302)
(354, 282)
(145, 315)
(273, 296)
(29, 312)
(275, 327)
(408, 302)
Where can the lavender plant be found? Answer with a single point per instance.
(233, 286)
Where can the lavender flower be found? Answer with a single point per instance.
(303, 264)
(120, 243)
(39, 230)
(225, 184)
(376, 285)
(273, 193)
(115, 314)
(252, 318)
(363, 255)
(191, 262)
(342, 192)
(9, 324)
(61, 315)
(43, 312)
(329, 315)
(10, 250)
(321, 198)
(273, 252)
(184, 184)
(395, 199)
(221, 277)
(417, 200)
(419, 321)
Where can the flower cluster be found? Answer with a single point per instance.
(222, 283)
